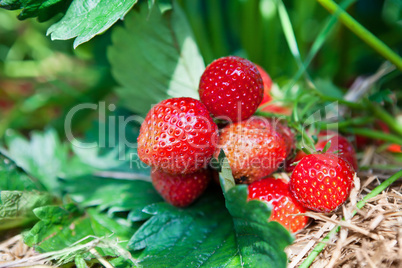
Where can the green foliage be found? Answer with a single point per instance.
(13, 178)
(16, 207)
(259, 241)
(210, 234)
(85, 19)
(160, 58)
(19, 195)
(201, 235)
(115, 195)
(44, 157)
(61, 228)
(43, 9)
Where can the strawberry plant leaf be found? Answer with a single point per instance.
(210, 234)
(160, 58)
(259, 242)
(226, 178)
(201, 235)
(61, 228)
(85, 19)
(16, 207)
(14, 178)
(43, 9)
(133, 195)
(44, 157)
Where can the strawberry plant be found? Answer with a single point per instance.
(110, 136)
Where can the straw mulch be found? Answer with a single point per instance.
(371, 238)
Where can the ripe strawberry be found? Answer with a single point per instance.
(276, 192)
(178, 136)
(322, 182)
(339, 144)
(270, 108)
(231, 88)
(180, 190)
(254, 148)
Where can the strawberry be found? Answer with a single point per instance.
(182, 189)
(339, 144)
(276, 193)
(322, 182)
(270, 108)
(231, 88)
(254, 148)
(178, 136)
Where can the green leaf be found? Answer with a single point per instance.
(43, 9)
(260, 243)
(16, 207)
(44, 157)
(85, 19)
(199, 236)
(62, 228)
(327, 88)
(208, 234)
(13, 178)
(115, 195)
(160, 58)
(381, 96)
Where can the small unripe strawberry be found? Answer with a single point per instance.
(231, 88)
(178, 136)
(254, 148)
(270, 108)
(322, 182)
(339, 145)
(276, 193)
(180, 190)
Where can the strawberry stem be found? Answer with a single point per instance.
(320, 246)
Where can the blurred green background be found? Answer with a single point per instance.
(41, 79)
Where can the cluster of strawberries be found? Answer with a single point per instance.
(179, 138)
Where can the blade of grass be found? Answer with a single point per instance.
(290, 37)
(375, 134)
(317, 44)
(362, 32)
(309, 260)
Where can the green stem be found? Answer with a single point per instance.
(359, 121)
(320, 246)
(352, 105)
(362, 32)
(388, 119)
(375, 134)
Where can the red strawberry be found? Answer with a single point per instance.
(180, 190)
(271, 108)
(254, 148)
(178, 136)
(231, 88)
(276, 192)
(322, 182)
(267, 81)
(394, 148)
(338, 143)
